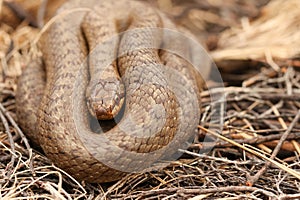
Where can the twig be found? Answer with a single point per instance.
(10, 138)
(20, 133)
(281, 166)
(216, 158)
(270, 61)
(255, 140)
(12, 121)
(259, 91)
(199, 190)
(289, 196)
(41, 13)
(253, 179)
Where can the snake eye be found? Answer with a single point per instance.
(117, 99)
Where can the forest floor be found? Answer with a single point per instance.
(253, 154)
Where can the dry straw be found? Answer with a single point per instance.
(276, 33)
(262, 113)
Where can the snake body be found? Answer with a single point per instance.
(53, 91)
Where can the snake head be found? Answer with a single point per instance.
(105, 98)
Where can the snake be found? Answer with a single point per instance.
(106, 98)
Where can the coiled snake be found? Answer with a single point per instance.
(159, 90)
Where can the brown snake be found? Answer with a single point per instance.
(156, 121)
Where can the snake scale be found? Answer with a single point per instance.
(58, 91)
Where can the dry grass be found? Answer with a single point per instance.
(274, 35)
(256, 156)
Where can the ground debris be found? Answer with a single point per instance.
(260, 114)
